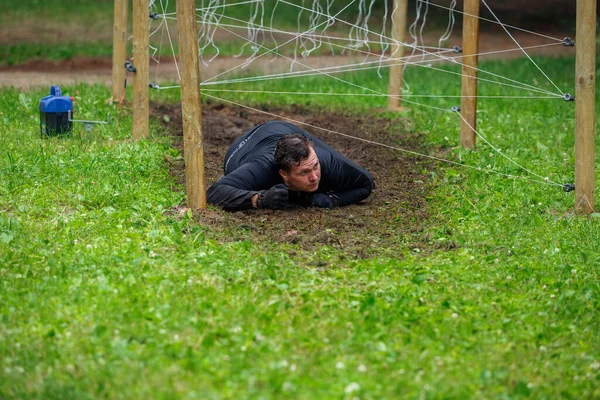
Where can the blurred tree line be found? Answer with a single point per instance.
(538, 14)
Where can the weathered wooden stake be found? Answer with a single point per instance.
(468, 104)
(119, 49)
(396, 71)
(141, 62)
(585, 121)
(191, 110)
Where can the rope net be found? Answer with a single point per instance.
(275, 40)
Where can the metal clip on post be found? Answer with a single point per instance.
(568, 97)
(89, 124)
(568, 42)
(130, 67)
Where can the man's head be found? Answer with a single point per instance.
(298, 163)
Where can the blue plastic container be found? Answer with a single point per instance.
(54, 113)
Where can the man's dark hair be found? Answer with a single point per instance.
(291, 150)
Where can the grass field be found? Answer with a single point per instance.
(106, 292)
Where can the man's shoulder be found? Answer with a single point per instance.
(280, 128)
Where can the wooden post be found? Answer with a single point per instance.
(396, 71)
(585, 87)
(468, 104)
(119, 49)
(193, 151)
(141, 62)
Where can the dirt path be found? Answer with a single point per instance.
(388, 222)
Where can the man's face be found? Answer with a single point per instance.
(304, 177)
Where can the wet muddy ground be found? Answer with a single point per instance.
(390, 221)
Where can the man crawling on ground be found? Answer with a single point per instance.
(276, 163)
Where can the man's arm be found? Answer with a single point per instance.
(240, 189)
(231, 198)
(352, 196)
(346, 182)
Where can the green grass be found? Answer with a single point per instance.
(21, 53)
(106, 293)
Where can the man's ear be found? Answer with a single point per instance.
(283, 174)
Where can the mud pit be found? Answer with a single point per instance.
(389, 222)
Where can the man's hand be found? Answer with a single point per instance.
(322, 200)
(274, 198)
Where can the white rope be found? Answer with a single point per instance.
(363, 94)
(498, 76)
(162, 24)
(358, 86)
(362, 36)
(207, 32)
(537, 46)
(330, 22)
(253, 33)
(414, 153)
(453, 59)
(306, 34)
(347, 82)
(313, 36)
(338, 38)
(313, 72)
(314, 19)
(546, 179)
(383, 43)
(278, 46)
(524, 52)
(171, 43)
(304, 73)
(353, 27)
(518, 85)
(412, 31)
(494, 22)
(446, 35)
(204, 9)
(422, 28)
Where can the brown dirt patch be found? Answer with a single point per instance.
(390, 222)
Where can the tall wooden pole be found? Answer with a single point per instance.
(396, 71)
(585, 121)
(119, 49)
(468, 103)
(191, 110)
(141, 62)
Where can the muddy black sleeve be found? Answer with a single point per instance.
(234, 191)
(347, 182)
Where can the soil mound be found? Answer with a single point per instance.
(390, 221)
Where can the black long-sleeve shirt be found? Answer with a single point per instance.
(250, 167)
